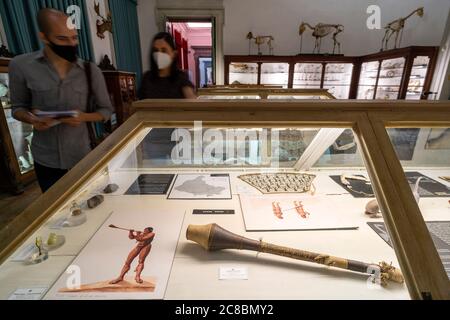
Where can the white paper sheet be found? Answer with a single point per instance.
(295, 212)
(104, 256)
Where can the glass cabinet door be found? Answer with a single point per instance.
(307, 75)
(20, 133)
(338, 77)
(368, 80)
(425, 158)
(275, 74)
(243, 73)
(390, 79)
(417, 78)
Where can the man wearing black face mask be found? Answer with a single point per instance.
(54, 79)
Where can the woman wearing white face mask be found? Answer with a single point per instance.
(165, 80)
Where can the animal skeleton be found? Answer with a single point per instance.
(259, 40)
(396, 27)
(320, 31)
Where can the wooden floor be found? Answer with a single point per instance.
(12, 206)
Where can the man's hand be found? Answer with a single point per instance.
(41, 124)
(44, 124)
(74, 121)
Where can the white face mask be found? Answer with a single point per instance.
(163, 60)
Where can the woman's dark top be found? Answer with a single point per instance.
(158, 144)
(164, 88)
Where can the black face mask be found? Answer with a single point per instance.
(68, 53)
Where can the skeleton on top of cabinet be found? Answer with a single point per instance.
(320, 31)
(396, 27)
(259, 40)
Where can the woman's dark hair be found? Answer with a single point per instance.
(154, 71)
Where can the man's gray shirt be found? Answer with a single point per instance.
(35, 84)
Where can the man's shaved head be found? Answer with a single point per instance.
(48, 17)
(55, 28)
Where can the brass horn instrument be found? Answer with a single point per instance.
(213, 238)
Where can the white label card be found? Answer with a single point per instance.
(24, 253)
(28, 293)
(233, 273)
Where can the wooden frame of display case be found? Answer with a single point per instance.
(408, 53)
(411, 239)
(263, 92)
(13, 179)
(242, 86)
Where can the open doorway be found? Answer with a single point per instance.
(195, 45)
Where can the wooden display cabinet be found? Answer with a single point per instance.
(16, 163)
(122, 88)
(404, 73)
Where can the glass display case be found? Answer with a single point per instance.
(308, 75)
(338, 79)
(335, 77)
(299, 174)
(404, 73)
(389, 80)
(418, 77)
(17, 161)
(275, 74)
(334, 73)
(243, 73)
(368, 80)
(381, 80)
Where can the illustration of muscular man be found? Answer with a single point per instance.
(142, 249)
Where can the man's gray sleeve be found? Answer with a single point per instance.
(20, 95)
(102, 99)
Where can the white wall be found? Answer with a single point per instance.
(100, 46)
(441, 81)
(281, 18)
(147, 29)
(445, 91)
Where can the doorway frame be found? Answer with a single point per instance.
(201, 52)
(218, 15)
